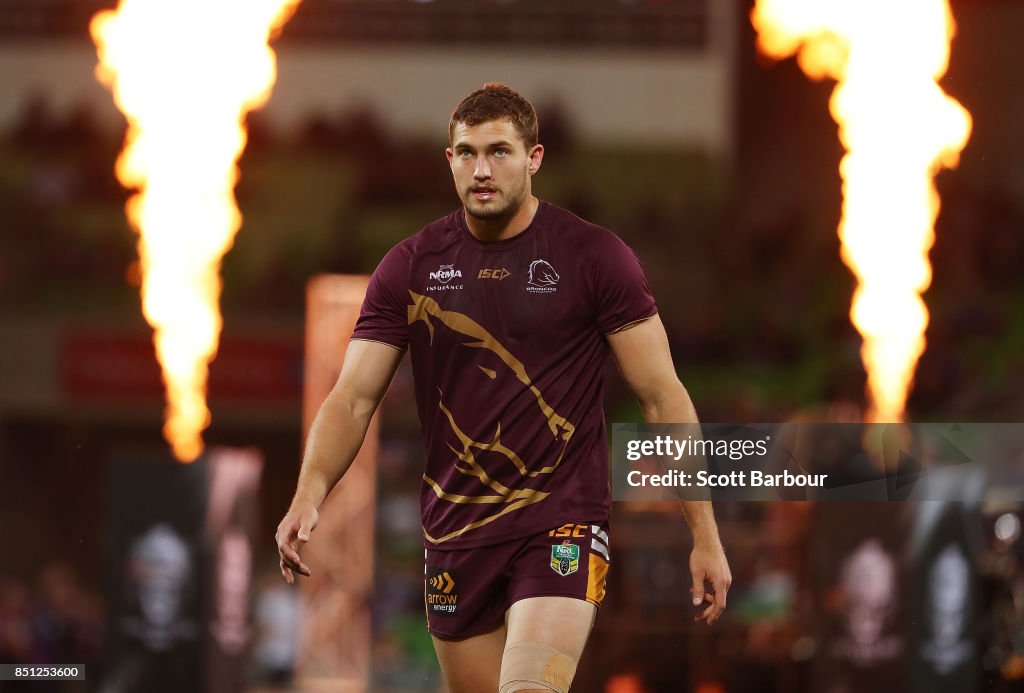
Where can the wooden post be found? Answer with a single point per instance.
(335, 644)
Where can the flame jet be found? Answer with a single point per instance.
(185, 73)
(899, 128)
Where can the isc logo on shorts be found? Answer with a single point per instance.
(440, 593)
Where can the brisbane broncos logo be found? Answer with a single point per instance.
(542, 274)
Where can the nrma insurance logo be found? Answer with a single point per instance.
(445, 274)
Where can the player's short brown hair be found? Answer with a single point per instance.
(496, 101)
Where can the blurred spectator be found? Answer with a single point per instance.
(66, 620)
(277, 616)
(556, 130)
(35, 123)
(15, 622)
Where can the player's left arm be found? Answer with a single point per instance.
(642, 353)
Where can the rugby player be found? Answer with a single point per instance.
(509, 308)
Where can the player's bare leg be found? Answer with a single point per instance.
(471, 665)
(546, 636)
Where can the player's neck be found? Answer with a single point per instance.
(490, 230)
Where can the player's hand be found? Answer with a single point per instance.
(708, 566)
(293, 532)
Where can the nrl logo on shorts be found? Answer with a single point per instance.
(565, 558)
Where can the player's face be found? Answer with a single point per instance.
(492, 167)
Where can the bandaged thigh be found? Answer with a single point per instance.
(534, 666)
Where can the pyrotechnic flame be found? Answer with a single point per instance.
(185, 73)
(899, 128)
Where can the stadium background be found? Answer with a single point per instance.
(660, 122)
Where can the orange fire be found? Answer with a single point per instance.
(899, 128)
(184, 74)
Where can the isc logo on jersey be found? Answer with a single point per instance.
(444, 274)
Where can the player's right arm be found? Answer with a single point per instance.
(334, 439)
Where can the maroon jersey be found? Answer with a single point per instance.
(508, 348)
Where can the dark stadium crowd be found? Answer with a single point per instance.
(55, 617)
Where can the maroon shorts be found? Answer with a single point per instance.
(467, 591)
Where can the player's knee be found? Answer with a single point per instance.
(533, 666)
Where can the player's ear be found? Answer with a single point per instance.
(449, 154)
(536, 156)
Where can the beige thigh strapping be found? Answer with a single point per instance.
(534, 666)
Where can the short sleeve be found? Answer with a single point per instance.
(620, 288)
(384, 315)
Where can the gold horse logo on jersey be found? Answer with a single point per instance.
(427, 310)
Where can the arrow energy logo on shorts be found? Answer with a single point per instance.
(440, 595)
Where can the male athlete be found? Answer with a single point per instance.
(509, 308)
